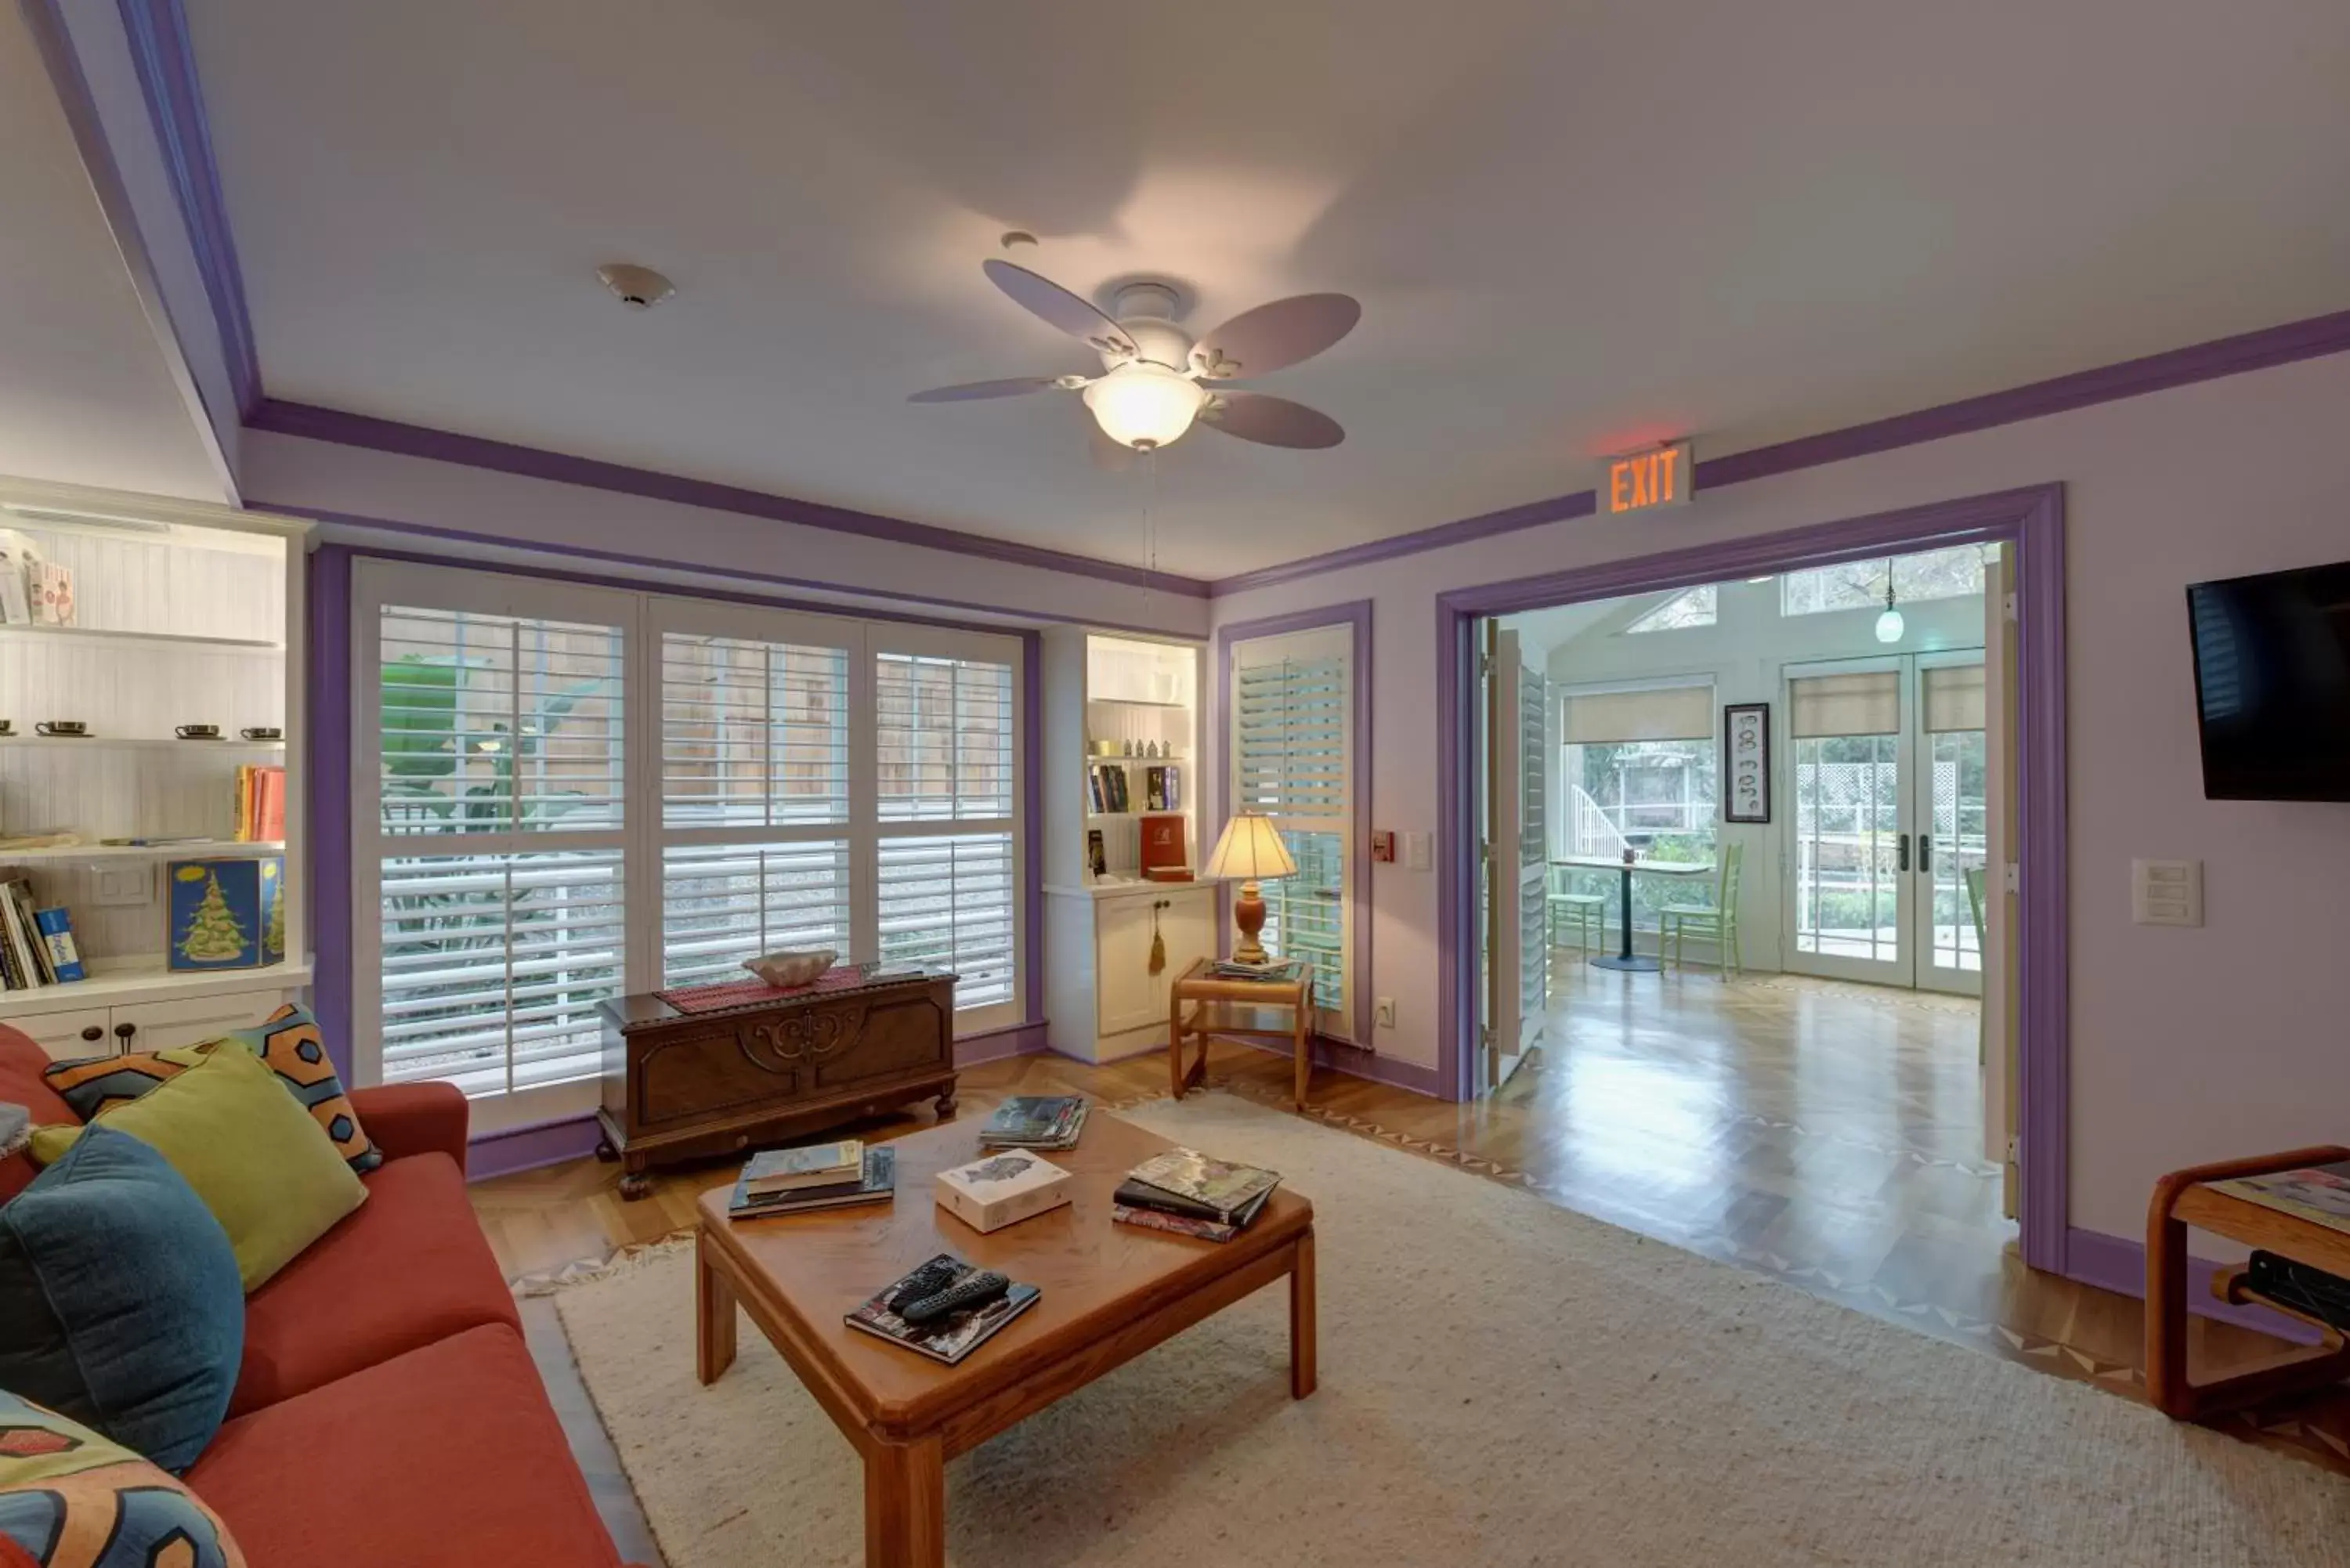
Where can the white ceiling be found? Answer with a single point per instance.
(1574, 227)
(85, 395)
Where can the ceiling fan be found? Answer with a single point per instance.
(1156, 379)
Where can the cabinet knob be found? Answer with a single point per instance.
(93, 1032)
(125, 1031)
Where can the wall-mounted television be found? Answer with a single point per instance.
(2272, 684)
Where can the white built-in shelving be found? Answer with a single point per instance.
(185, 614)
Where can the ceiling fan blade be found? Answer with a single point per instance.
(1050, 303)
(970, 391)
(1270, 421)
(1274, 337)
(1109, 456)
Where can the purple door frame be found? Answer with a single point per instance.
(2030, 520)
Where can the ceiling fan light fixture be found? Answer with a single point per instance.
(1144, 406)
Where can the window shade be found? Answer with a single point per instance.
(1306, 916)
(944, 737)
(1291, 718)
(1953, 697)
(1865, 703)
(950, 901)
(1662, 713)
(1292, 750)
(753, 733)
(724, 903)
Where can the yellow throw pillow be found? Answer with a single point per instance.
(268, 1172)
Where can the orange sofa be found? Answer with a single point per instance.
(387, 1413)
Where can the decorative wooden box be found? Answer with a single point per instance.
(681, 1086)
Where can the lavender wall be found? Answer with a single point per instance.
(2186, 1044)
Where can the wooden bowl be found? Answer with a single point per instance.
(786, 970)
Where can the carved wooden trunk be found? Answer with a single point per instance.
(681, 1085)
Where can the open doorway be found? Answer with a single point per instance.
(1808, 1028)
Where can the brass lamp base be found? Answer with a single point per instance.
(1248, 914)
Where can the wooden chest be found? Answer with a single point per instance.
(690, 1085)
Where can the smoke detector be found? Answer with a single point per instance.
(638, 287)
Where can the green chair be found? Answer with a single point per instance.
(1718, 919)
(1587, 910)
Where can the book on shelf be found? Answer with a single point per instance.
(1162, 788)
(952, 1337)
(831, 1164)
(2318, 1193)
(1035, 1121)
(1154, 1215)
(26, 963)
(58, 937)
(1095, 795)
(1184, 1180)
(876, 1183)
(260, 803)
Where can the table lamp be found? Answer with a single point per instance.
(1249, 851)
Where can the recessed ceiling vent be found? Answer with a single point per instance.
(638, 287)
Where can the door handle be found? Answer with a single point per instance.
(1925, 852)
(1901, 851)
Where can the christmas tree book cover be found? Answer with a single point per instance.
(220, 912)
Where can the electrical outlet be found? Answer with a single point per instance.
(1383, 1012)
(130, 884)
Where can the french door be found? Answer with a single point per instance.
(1886, 775)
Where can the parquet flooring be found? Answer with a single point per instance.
(1826, 1135)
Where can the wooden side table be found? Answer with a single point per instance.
(2182, 1198)
(1201, 1004)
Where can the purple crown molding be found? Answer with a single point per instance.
(2032, 521)
(165, 61)
(375, 434)
(2295, 340)
(1355, 616)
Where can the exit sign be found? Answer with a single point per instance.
(1660, 476)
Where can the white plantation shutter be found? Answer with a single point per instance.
(1292, 750)
(811, 781)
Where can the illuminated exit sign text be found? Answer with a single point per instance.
(1658, 477)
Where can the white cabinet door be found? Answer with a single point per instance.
(1127, 994)
(161, 1026)
(66, 1035)
(1189, 924)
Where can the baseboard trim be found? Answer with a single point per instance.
(2117, 1263)
(1340, 1056)
(996, 1044)
(511, 1150)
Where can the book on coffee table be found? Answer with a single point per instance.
(1149, 1210)
(951, 1338)
(818, 1165)
(2318, 1193)
(1035, 1121)
(878, 1183)
(1219, 1188)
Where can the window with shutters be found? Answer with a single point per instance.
(583, 792)
(1291, 713)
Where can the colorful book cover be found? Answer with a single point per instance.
(1035, 1121)
(273, 911)
(216, 917)
(880, 1185)
(56, 934)
(951, 1338)
(2318, 1192)
(816, 1165)
(1219, 1184)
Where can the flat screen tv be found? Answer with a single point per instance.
(2272, 684)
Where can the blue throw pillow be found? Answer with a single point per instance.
(121, 1297)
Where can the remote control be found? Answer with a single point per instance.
(973, 1289)
(927, 1281)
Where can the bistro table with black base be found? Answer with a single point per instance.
(1623, 958)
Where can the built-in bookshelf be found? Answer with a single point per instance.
(182, 615)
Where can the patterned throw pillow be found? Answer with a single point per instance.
(288, 1042)
(68, 1496)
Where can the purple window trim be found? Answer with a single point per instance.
(2289, 343)
(746, 574)
(1354, 615)
(395, 436)
(2032, 521)
(165, 62)
(333, 788)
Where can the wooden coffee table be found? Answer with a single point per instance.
(1110, 1293)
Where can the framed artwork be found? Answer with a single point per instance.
(1746, 762)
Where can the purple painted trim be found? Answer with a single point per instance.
(2032, 520)
(1032, 818)
(625, 558)
(165, 61)
(1000, 1044)
(327, 742)
(1354, 615)
(1339, 1056)
(2117, 1263)
(509, 1149)
(533, 463)
(2271, 346)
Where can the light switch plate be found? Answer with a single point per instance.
(124, 884)
(2167, 892)
(1417, 855)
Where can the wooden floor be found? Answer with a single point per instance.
(1824, 1134)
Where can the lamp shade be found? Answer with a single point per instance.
(1250, 850)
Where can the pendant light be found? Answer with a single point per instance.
(1889, 625)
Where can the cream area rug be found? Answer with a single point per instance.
(1501, 1383)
